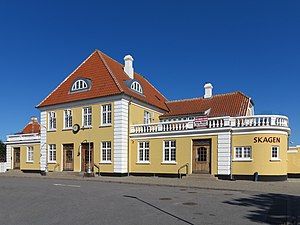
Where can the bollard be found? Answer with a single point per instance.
(255, 176)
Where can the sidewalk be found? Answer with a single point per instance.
(291, 186)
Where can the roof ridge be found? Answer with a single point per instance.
(108, 69)
(198, 98)
(65, 79)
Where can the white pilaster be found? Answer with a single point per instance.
(121, 136)
(224, 153)
(43, 157)
(8, 157)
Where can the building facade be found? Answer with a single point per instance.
(106, 118)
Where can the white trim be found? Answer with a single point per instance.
(52, 118)
(224, 153)
(277, 152)
(9, 157)
(107, 112)
(53, 150)
(31, 149)
(43, 145)
(292, 151)
(242, 158)
(64, 118)
(101, 152)
(88, 121)
(138, 161)
(170, 161)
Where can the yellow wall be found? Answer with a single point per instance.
(261, 155)
(35, 165)
(136, 114)
(294, 161)
(183, 155)
(96, 134)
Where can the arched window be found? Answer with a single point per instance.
(80, 84)
(136, 87)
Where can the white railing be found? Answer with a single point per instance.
(216, 122)
(23, 137)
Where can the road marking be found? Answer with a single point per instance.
(67, 185)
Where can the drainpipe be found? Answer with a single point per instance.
(128, 139)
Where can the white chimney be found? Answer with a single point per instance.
(128, 69)
(34, 119)
(208, 90)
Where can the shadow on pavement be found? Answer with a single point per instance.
(271, 208)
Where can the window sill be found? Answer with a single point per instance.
(31, 162)
(169, 163)
(51, 162)
(143, 163)
(275, 160)
(105, 162)
(105, 125)
(52, 130)
(67, 129)
(242, 160)
(86, 127)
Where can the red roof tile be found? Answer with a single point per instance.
(32, 127)
(108, 78)
(231, 104)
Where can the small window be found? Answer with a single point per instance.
(137, 87)
(52, 120)
(143, 151)
(52, 153)
(169, 151)
(87, 117)
(81, 84)
(68, 118)
(106, 114)
(106, 151)
(275, 153)
(147, 117)
(243, 153)
(29, 154)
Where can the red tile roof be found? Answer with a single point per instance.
(107, 78)
(32, 127)
(231, 104)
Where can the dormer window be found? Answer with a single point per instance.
(80, 85)
(136, 87)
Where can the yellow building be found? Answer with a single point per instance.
(106, 118)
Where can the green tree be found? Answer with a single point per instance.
(2, 151)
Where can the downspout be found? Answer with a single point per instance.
(128, 139)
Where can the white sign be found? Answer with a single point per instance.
(201, 121)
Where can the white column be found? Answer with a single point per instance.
(43, 153)
(121, 136)
(224, 153)
(8, 157)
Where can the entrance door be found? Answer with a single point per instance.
(86, 157)
(201, 157)
(16, 158)
(68, 151)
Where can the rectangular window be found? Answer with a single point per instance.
(143, 151)
(106, 114)
(169, 151)
(29, 154)
(87, 117)
(52, 120)
(68, 118)
(147, 117)
(106, 151)
(243, 153)
(52, 153)
(275, 153)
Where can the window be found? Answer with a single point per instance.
(275, 153)
(52, 153)
(52, 120)
(136, 87)
(106, 114)
(243, 153)
(29, 154)
(68, 118)
(147, 117)
(87, 117)
(79, 85)
(106, 151)
(143, 151)
(169, 151)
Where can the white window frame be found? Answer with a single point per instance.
(136, 86)
(243, 153)
(147, 117)
(52, 120)
(143, 152)
(88, 115)
(277, 158)
(68, 119)
(104, 152)
(52, 153)
(106, 114)
(29, 154)
(170, 149)
(79, 85)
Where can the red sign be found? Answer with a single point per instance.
(201, 121)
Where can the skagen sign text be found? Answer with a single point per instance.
(266, 139)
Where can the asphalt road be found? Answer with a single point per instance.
(30, 201)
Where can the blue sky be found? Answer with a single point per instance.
(251, 46)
